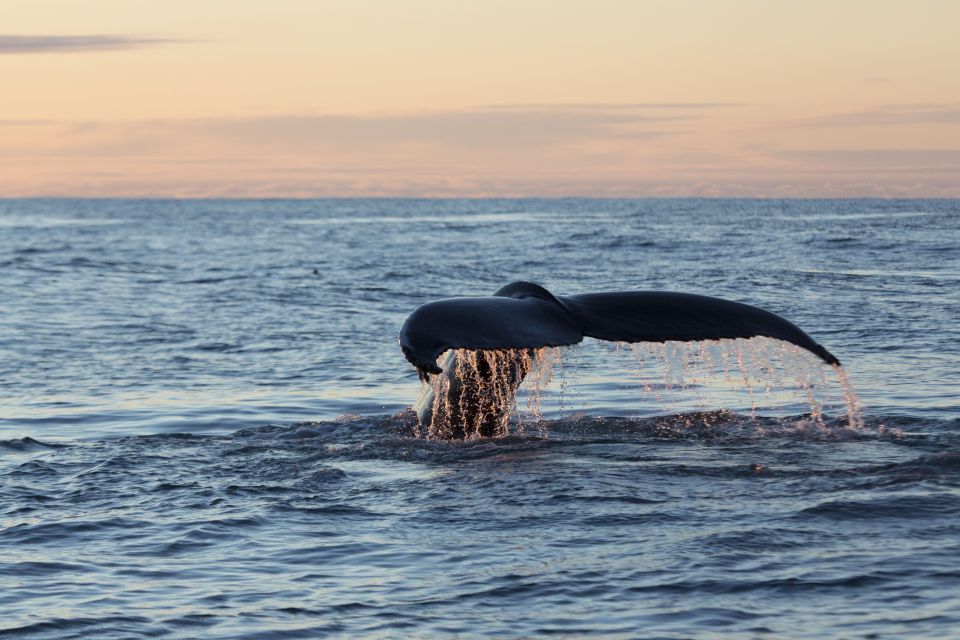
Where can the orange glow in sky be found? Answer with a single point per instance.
(479, 98)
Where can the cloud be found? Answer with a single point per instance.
(899, 160)
(618, 106)
(888, 115)
(24, 122)
(319, 183)
(479, 130)
(507, 150)
(11, 44)
(502, 128)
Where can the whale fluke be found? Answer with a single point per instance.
(524, 315)
(490, 342)
(495, 322)
(660, 316)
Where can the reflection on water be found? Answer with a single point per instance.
(45, 222)
(203, 429)
(607, 527)
(459, 219)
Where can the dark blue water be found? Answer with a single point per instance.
(202, 426)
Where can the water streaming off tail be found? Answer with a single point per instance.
(771, 373)
(486, 388)
(489, 387)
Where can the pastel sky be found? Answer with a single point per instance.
(275, 98)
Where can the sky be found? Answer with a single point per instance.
(436, 98)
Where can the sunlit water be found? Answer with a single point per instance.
(203, 430)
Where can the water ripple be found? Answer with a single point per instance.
(204, 430)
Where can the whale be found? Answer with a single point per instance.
(489, 342)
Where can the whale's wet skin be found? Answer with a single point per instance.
(205, 433)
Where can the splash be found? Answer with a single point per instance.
(484, 392)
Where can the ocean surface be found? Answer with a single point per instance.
(205, 427)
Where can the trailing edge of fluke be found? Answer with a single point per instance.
(524, 315)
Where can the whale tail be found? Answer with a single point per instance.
(524, 315)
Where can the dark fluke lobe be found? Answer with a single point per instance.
(524, 315)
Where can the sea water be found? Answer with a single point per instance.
(204, 424)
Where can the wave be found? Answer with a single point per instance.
(27, 444)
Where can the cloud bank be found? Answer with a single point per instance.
(481, 130)
(20, 44)
(886, 116)
(614, 150)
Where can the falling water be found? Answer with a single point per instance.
(489, 387)
(850, 399)
(481, 395)
(769, 371)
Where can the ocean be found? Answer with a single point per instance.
(205, 428)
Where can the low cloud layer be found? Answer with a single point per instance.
(888, 115)
(901, 160)
(506, 130)
(505, 150)
(19, 44)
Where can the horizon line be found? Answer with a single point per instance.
(439, 198)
